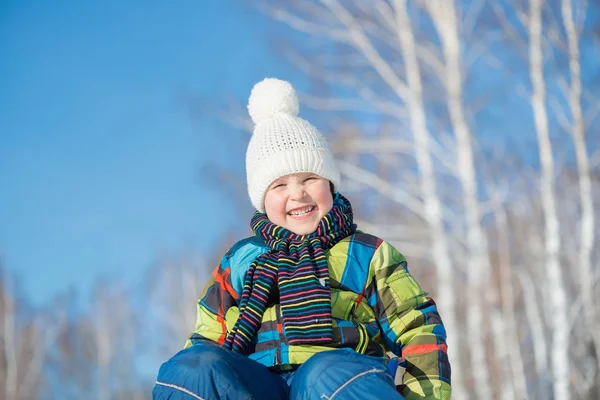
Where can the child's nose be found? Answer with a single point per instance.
(298, 192)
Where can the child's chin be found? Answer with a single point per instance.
(302, 229)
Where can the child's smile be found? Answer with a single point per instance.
(301, 212)
(298, 202)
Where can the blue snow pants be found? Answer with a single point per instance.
(208, 372)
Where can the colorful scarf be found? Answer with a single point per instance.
(299, 266)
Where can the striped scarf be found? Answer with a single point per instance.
(299, 266)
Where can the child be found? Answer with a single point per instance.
(309, 306)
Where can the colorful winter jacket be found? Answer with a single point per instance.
(376, 305)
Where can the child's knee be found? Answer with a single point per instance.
(199, 371)
(339, 374)
(322, 367)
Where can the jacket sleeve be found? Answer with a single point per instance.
(216, 298)
(412, 327)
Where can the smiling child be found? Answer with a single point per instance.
(308, 307)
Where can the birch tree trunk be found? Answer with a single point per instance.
(10, 343)
(432, 209)
(559, 355)
(585, 185)
(172, 293)
(45, 332)
(515, 361)
(443, 14)
(103, 345)
(25, 340)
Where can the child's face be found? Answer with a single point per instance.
(298, 202)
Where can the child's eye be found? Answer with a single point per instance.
(310, 178)
(278, 185)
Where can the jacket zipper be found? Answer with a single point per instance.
(278, 348)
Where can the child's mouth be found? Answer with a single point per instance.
(299, 213)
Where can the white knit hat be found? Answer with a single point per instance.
(282, 143)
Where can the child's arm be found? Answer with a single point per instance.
(217, 297)
(412, 327)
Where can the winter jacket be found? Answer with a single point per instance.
(376, 305)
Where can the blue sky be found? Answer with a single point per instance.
(103, 167)
(101, 162)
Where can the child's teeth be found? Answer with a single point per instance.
(302, 212)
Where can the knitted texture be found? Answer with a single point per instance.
(299, 266)
(282, 143)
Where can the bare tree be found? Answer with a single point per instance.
(510, 329)
(174, 285)
(588, 217)
(560, 335)
(99, 347)
(444, 16)
(26, 337)
(10, 345)
(432, 208)
(113, 337)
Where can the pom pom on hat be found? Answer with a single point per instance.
(272, 96)
(282, 143)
